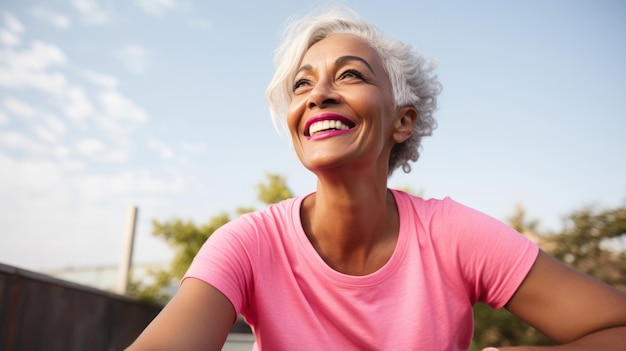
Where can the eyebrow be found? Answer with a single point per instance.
(340, 61)
(344, 59)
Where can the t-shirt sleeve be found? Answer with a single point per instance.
(224, 261)
(492, 257)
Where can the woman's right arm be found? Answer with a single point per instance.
(198, 317)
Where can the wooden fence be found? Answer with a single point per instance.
(38, 312)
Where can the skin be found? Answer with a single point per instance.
(353, 222)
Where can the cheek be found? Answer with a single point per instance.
(294, 114)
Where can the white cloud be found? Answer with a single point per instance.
(97, 151)
(134, 57)
(39, 57)
(54, 123)
(72, 166)
(45, 55)
(75, 103)
(89, 147)
(15, 140)
(9, 38)
(4, 119)
(41, 67)
(51, 129)
(49, 83)
(26, 176)
(46, 134)
(164, 150)
(199, 23)
(56, 19)
(91, 11)
(102, 80)
(156, 7)
(33, 68)
(62, 152)
(196, 148)
(19, 107)
(12, 23)
(116, 156)
(100, 188)
(120, 110)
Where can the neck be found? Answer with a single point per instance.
(353, 226)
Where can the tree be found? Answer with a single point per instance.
(594, 241)
(520, 222)
(186, 238)
(275, 190)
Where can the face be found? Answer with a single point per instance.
(343, 112)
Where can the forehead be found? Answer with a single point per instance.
(339, 45)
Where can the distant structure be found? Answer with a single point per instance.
(106, 277)
(126, 260)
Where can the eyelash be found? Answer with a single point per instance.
(353, 72)
(298, 83)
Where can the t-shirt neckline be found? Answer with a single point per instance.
(319, 266)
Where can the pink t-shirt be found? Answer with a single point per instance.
(448, 257)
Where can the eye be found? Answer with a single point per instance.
(351, 73)
(299, 84)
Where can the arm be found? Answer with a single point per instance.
(199, 317)
(573, 309)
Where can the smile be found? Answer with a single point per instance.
(327, 124)
(321, 126)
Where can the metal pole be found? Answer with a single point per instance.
(127, 250)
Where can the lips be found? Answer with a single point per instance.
(327, 124)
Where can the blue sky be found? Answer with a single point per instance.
(104, 104)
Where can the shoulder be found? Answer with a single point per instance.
(488, 256)
(275, 216)
(444, 210)
(258, 226)
(280, 211)
(456, 230)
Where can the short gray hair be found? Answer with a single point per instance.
(411, 74)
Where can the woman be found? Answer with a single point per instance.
(358, 266)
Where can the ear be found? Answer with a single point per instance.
(404, 124)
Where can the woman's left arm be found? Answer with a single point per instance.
(574, 310)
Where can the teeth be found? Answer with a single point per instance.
(325, 125)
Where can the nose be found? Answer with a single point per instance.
(323, 94)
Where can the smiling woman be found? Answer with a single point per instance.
(357, 265)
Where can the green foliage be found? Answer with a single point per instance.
(594, 241)
(519, 221)
(275, 190)
(501, 328)
(186, 238)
